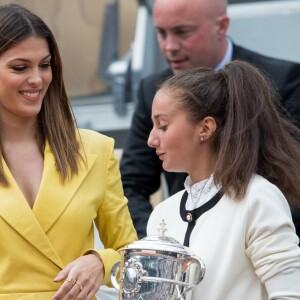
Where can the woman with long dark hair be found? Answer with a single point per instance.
(225, 129)
(56, 181)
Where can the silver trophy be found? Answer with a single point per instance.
(156, 267)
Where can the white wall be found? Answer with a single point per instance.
(270, 27)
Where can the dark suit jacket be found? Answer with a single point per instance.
(141, 169)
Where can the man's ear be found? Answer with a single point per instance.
(207, 128)
(223, 24)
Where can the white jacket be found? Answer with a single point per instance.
(250, 248)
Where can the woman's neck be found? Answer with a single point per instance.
(18, 131)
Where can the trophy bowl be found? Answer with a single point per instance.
(156, 267)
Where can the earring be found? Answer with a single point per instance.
(202, 139)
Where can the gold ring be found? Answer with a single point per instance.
(71, 279)
(80, 286)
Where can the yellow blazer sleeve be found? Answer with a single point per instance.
(113, 220)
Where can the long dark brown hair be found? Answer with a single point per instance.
(252, 134)
(55, 120)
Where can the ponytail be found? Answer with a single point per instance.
(256, 138)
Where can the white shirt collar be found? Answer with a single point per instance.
(200, 192)
(227, 57)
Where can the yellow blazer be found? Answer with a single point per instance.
(35, 244)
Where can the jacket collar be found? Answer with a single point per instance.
(52, 199)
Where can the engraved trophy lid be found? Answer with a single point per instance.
(160, 242)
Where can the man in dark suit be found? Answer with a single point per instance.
(191, 33)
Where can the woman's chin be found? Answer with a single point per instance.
(169, 168)
(166, 167)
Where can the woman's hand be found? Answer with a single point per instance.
(82, 278)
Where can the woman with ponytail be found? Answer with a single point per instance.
(242, 155)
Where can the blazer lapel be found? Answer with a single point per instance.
(54, 197)
(15, 210)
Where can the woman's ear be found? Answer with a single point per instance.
(207, 128)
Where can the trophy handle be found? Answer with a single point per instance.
(200, 272)
(113, 275)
